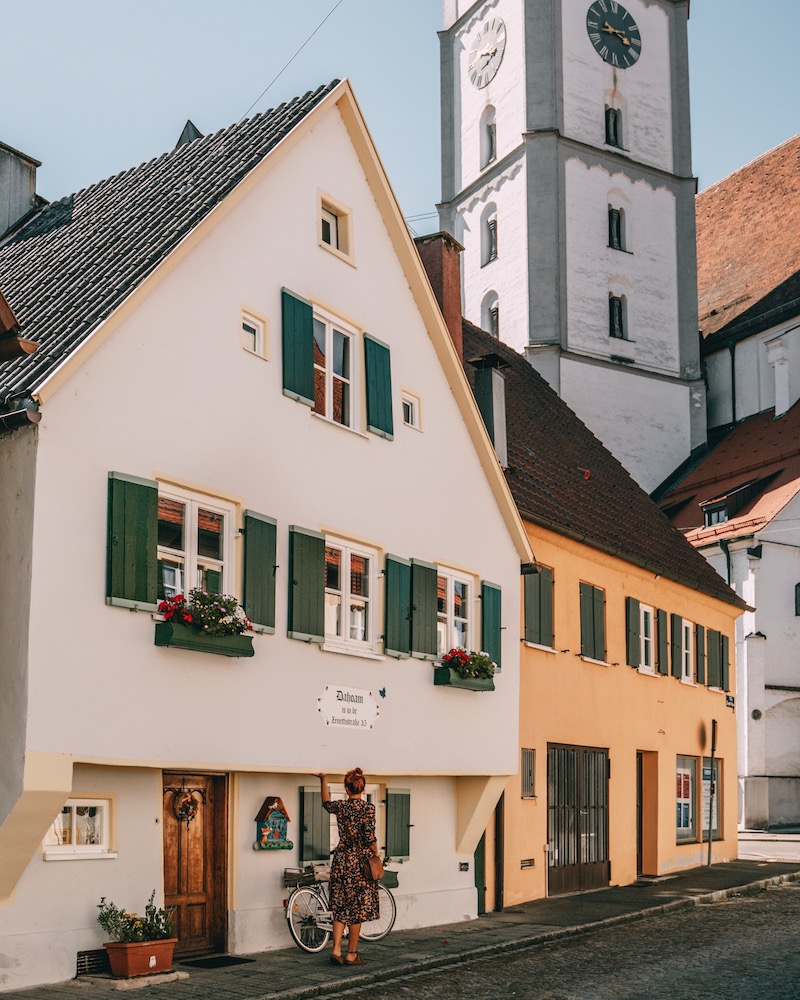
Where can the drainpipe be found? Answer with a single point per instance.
(724, 544)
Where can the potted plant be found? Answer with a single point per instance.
(463, 668)
(138, 945)
(210, 623)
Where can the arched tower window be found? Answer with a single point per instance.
(618, 317)
(616, 228)
(614, 127)
(488, 138)
(489, 234)
(490, 313)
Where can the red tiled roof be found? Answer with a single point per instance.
(563, 478)
(748, 244)
(759, 448)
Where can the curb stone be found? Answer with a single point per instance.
(363, 979)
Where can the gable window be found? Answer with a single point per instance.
(194, 543)
(411, 410)
(616, 317)
(614, 127)
(616, 228)
(253, 335)
(335, 227)
(647, 656)
(453, 617)
(593, 622)
(333, 370)
(81, 830)
(349, 589)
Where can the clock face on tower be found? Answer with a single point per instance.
(614, 34)
(486, 52)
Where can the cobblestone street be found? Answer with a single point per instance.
(744, 948)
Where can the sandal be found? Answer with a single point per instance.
(338, 960)
(357, 960)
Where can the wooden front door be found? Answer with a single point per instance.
(194, 860)
(577, 816)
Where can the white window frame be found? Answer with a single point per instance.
(687, 651)
(334, 323)
(415, 405)
(193, 502)
(259, 326)
(449, 618)
(647, 644)
(344, 642)
(74, 852)
(340, 219)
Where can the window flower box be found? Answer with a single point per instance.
(451, 677)
(186, 637)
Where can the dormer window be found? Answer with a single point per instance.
(717, 514)
(721, 508)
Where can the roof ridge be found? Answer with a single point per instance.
(749, 164)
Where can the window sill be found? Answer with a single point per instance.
(687, 682)
(340, 254)
(486, 263)
(539, 646)
(255, 354)
(364, 654)
(591, 659)
(621, 250)
(646, 672)
(78, 855)
(341, 427)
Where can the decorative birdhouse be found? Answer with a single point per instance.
(271, 826)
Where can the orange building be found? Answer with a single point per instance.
(627, 681)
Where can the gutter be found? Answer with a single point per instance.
(27, 412)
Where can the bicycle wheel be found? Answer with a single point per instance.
(305, 907)
(374, 930)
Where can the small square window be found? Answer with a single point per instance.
(81, 830)
(411, 410)
(253, 335)
(330, 228)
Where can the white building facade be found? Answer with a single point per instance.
(348, 490)
(566, 175)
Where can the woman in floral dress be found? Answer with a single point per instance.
(354, 897)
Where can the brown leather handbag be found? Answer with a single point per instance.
(373, 868)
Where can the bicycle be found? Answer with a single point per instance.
(308, 911)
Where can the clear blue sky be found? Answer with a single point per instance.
(91, 87)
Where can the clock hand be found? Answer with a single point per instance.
(615, 31)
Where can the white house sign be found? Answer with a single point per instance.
(348, 708)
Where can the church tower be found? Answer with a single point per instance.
(566, 175)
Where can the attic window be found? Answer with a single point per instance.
(335, 227)
(721, 508)
(716, 514)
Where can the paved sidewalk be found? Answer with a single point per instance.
(292, 975)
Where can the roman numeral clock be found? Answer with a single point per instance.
(613, 33)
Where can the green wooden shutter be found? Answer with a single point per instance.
(677, 645)
(725, 664)
(298, 347)
(260, 557)
(546, 607)
(662, 651)
(714, 678)
(131, 554)
(491, 621)
(379, 387)
(315, 827)
(423, 610)
(306, 584)
(397, 634)
(599, 624)
(633, 645)
(213, 581)
(398, 823)
(587, 620)
(700, 653)
(532, 598)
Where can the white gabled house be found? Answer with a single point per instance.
(243, 382)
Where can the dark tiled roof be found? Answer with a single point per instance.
(748, 246)
(78, 259)
(562, 477)
(760, 449)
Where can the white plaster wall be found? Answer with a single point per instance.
(505, 92)
(54, 911)
(507, 276)
(172, 392)
(719, 402)
(755, 376)
(643, 91)
(431, 890)
(646, 274)
(643, 421)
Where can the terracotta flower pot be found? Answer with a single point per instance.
(140, 958)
